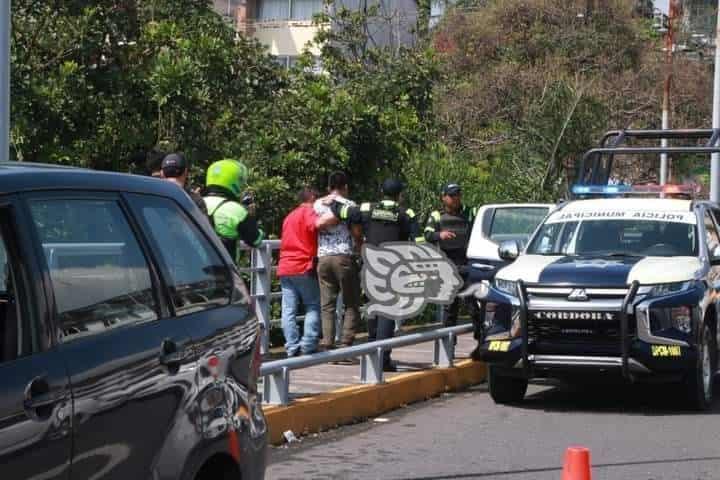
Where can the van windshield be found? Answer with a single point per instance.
(625, 237)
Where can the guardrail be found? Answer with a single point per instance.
(276, 387)
(261, 270)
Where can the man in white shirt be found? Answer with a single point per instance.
(337, 270)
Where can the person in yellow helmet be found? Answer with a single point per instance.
(225, 182)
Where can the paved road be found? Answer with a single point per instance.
(638, 433)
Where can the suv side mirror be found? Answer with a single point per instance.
(509, 250)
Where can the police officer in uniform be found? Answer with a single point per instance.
(450, 229)
(225, 182)
(383, 221)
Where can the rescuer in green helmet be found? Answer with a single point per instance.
(225, 182)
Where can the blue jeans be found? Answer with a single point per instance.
(305, 289)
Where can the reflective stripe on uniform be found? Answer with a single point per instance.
(435, 216)
(259, 239)
(419, 239)
(344, 212)
(429, 229)
(410, 213)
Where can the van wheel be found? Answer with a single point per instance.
(505, 389)
(699, 383)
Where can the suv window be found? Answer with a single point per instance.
(197, 276)
(711, 233)
(515, 223)
(99, 275)
(12, 337)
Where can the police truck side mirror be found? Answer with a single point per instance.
(509, 250)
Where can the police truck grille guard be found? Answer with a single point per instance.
(622, 316)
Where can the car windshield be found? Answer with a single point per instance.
(625, 237)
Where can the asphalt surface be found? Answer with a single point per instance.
(634, 432)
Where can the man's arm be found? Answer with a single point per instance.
(356, 231)
(326, 221)
(412, 228)
(250, 233)
(431, 234)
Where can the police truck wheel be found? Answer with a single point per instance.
(504, 389)
(699, 384)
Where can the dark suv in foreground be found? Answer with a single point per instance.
(128, 348)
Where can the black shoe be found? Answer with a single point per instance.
(296, 353)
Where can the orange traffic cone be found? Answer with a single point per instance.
(577, 464)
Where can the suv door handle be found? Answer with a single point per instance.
(170, 355)
(38, 401)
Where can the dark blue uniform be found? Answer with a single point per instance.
(382, 222)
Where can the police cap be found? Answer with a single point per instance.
(392, 186)
(451, 189)
(174, 164)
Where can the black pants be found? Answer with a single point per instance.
(381, 328)
(450, 312)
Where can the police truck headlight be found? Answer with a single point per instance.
(662, 289)
(508, 287)
(682, 318)
(678, 318)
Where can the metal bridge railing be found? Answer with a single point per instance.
(277, 373)
(276, 387)
(262, 271)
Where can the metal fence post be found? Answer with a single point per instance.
(276, 388)
(261, 262)
(371, 368)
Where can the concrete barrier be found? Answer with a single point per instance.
(347, 405)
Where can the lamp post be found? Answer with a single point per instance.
(715, 159)
(673, 12)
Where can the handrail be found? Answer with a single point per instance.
(261, 272)
(277, 382)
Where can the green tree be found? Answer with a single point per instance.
(537, 82)
(94, 84)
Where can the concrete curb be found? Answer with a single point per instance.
(343, 406)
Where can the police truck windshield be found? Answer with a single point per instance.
(665, 235)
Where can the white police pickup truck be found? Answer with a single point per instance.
(609, 286)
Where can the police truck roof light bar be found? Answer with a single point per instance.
(600, 189)
(689, 191)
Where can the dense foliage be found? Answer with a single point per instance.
(502, 96)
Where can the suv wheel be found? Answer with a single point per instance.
(505, 389)
(699, 384)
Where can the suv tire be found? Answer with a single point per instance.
(699, 383)
(506, 389)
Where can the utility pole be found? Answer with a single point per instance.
(673, 13)
(4, 80)
(715, 159)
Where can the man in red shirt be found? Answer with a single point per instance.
(296, 269)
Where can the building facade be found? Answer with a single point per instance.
(287, 27)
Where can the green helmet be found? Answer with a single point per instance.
(229, 174)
